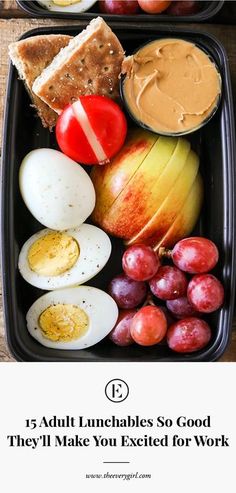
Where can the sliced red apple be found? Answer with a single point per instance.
(111, 179)
(161, 221)
(148, 188)
(187, 217)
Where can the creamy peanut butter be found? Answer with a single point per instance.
(171, 86)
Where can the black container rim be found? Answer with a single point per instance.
(36, 10)
(216, 350)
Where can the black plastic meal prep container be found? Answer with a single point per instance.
(206, 12)
(215, 143)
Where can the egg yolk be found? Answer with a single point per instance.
(65, 3)
(53, 254)
(63, 323)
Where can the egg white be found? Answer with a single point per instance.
(57, 190)
(95, 250)
(100, 308)
(82, 6)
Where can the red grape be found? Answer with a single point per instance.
(154, 6)
(126, 292)
(120, 335)
(148, 326)
(140, 262)
(205, 293)
(181, 308)
(183, 8)
(120, 7)
(169, 318)
(169, 283)
(188, 335)
(195, 255)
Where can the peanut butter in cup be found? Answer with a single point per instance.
(171, 86)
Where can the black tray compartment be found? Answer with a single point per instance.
(206, 12)
(216, 142)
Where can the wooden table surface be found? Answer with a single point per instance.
(14, 22)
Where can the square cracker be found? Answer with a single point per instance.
(90, 64)
(31, 56)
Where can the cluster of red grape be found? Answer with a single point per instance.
(187, 298)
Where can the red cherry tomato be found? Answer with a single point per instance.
(153, 6)
(91, 130)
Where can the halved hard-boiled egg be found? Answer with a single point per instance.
(56, 259)
(73, 6)
(73, 318)
(56, 189)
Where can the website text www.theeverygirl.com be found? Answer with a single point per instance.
(121, 476)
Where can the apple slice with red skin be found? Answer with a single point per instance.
(147, 190)
(172, 205)
(187, 217)
(109, 181)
